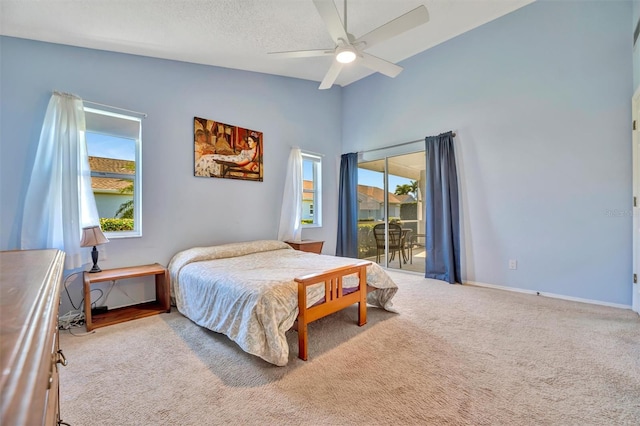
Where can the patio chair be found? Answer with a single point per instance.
(408, 241)
(395, 241)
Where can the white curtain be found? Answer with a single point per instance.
(59, 200)
(291, 214)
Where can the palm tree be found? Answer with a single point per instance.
(125, 211)
(408, 188)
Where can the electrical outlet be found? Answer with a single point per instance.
(513, 264)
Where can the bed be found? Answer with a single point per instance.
(250, 291)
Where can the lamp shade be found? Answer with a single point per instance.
(92, 236)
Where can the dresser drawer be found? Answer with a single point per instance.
(30, 293)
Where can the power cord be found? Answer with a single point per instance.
(95, 302)
(67, 290)
(76, 317)
(71, 319)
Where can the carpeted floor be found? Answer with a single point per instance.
(454, 355)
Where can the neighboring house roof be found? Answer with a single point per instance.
(373, 193)
(367, 202)
(369, 197)
(110, 165)
(100, 184)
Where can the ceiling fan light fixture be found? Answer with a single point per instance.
(345, 55)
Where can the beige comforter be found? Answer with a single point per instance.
(247, 292)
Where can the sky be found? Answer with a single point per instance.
(376, 179)
(99, 145)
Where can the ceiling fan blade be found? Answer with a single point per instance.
(301, 53)
(380, 65)
(406, 22)
(329, 14)
(331, 75)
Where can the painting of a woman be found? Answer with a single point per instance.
(245, 164)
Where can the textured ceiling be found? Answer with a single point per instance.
(238, 34)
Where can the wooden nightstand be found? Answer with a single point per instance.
(114, 316)
(307, 245)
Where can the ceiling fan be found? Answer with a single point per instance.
(348, 48)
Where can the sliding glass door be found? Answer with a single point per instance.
(390, 215)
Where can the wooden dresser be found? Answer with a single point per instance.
(30, 283)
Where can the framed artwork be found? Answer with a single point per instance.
(225, 151)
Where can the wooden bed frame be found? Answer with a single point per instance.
(334, 299)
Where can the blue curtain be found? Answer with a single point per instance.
(442, 211)
(347, 244)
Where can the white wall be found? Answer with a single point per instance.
(179, 210)
(540, 101)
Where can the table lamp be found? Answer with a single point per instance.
(93, 236)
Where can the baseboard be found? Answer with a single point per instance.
(552, 295)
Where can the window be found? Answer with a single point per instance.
(311, 190)
(114, 144)
(391, 189)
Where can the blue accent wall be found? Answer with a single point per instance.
(541, 101)
(636, 51)
(179, 210)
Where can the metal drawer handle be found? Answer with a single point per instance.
(61, 358)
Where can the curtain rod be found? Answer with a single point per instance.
(143, 114)
(397, 145)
